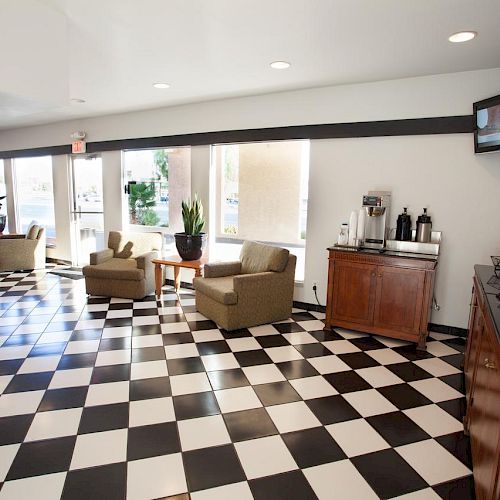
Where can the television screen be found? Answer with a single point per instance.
(487, 125)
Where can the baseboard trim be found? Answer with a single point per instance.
(449, 330)
(309, 307)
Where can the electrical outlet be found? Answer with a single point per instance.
(315, 285)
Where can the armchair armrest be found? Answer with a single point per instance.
(220, 269)
(144, 260)
(13, 237)
(101, 256)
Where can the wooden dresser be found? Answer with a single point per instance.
(482, 381)
(388, 294)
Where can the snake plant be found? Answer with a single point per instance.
(192, 215)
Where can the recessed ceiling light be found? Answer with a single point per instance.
(77, 100)
(280, 65)
(161, 85)
(462, 36)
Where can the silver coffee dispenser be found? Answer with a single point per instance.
(377, 207)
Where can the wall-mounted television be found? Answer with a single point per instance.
(487, 125)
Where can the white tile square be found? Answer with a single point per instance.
(224, 361)
(156, 477)
(357, 437)
(434, 420)
(116, 357)
(388, 342)
(350, 334)
(259, 331)
(441, 336)
(54, 424)
(263, 374)
(369, 402)
(82, 346)
(313, 387)
(90, 324)
(20, 403)
(50, 337)
(436, 390)
(14, 352)
(47, 487)
(239, 398)
(96, 307)
(151, 411)
(147, 341)
(207, 335)
(39, 364)
(283, 353)
(119, 313)
(12, 320)
(297, 338)
(7, 454)
(440, 349)
(196, 316)
(103, 394)
(203, 432)
(386, 356)
(145, 320)
(433, 462)
(71, 378)
(166, 311)
(243, 344)
(180, 327)
(189, 383)
(181, 351)
(241, 491)
(340, 346)
(329, 364)
(292, 417)
(311, 325)
(5, 381)
(437, 367)
(66, 317)
(117, 332)
(264, 457)
(27, 329)
(379, 376)
(147, 304)
(99, 448)
(347, 482)
(119, 300)
(148, 369)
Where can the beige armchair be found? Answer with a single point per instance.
(23, 252)
(124, 269)
(255, 290)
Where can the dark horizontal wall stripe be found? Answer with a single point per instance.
(414, 126)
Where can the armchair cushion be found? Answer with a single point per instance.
(219, 289)
(100, 256)
(131, 245)
(32, 234)
(259, 258)
(118, 269)
(218, 269)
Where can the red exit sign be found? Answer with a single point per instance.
(78, 147)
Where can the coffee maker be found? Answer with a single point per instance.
(376, 205)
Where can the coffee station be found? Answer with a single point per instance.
(381, 280)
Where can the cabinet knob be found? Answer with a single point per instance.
(489, 364)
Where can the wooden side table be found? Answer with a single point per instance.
(177, 263)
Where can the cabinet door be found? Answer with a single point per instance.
(484, 422)
(354, 292)
(398, 304)
(476, 323)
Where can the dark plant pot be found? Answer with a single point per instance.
(3, 221)
(189, 246)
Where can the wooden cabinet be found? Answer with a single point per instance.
(378, 293)
(482, 371)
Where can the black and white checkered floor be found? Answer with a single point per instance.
(112, 398)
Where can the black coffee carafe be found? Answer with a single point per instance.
(403, 227)
(424, 228)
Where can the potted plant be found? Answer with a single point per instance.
(191, 242)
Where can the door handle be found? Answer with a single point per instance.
(489, 364)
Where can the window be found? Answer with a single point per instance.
(34, 193)
(157, 181)
(261, 194)
(3, 202)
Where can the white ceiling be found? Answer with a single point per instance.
(109, 52)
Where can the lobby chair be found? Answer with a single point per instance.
(23, 251)
(124, 269)
(255, 290)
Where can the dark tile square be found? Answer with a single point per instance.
(299, 368)
(37, 319)
(332, 409)
(388, 474)
(276, 393)
(227, 379)
(215, 347)
(70, 361)
(234, 334)
(312, 447)
(195, 405)
(404, 396)
(42, 457)
(21, 340)
(110, 323)
(149, 388)
(313, 350)
(60, 399)
(397, 429)
(7, 330)
(10, 366)
(303, 316)
(357, 360)
(104, 418)
(111, 373)
(14, 429)
(183, 366)
(90, 334)
(148, 354)
(118, 343)
(288, 327)
(106, 481)
(458, 343)
(120, 306)
(455, 407)
(249, 424)
(137, 331)
(457, 381)
(172, 318)
(272, 341)
(61, 326)
(458, 489)
(177, 338)
(367, 343)
(252, 358)
(153, 311)
(29, 382)
(288, 486)
(409, 372)
(202, 325)
(93, 315)
(347, 381)
(458, 444)
(152, 441)
(411, 352)
(456, 360)
(211, 467)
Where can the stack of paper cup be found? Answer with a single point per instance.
(353, 228)
(360, 233)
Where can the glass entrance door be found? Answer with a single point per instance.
(87, 204)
